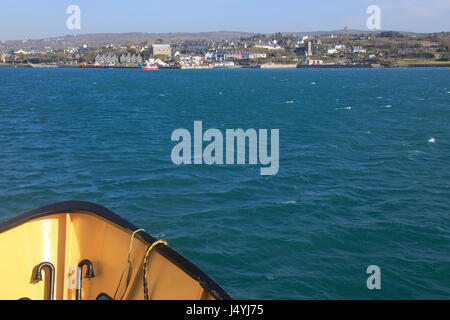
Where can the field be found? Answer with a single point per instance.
(420, 61)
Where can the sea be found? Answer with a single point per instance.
(363, 179)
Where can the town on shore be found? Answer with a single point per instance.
(344, 48)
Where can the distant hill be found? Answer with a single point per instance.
(99, 39)
(344, 32)
(167, 37)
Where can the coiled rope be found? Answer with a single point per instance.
(145, 265)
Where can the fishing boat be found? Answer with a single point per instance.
(149, 66)
(82, 251)
(109, 66)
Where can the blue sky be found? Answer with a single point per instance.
(23, 19)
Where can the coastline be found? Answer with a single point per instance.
(274, 67)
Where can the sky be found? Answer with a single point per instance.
(25, 19)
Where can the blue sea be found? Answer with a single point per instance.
(364, 173)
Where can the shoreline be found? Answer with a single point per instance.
(279, 67)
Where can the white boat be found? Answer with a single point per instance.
(149, 66)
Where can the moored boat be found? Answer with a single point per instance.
(82, 251)
(149, 66)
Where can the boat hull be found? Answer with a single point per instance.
(68, 233)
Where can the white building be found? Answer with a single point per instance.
(303, 40)
(339, 46)
(357, 49)
(20, 51)
(269, 46)
(312, 62)
(258, 55)
(332, 51)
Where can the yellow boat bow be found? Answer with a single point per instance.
(82, 251)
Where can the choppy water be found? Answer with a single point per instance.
(360, 181)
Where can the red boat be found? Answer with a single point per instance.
(149, 66)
